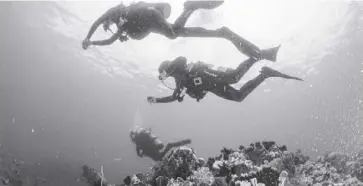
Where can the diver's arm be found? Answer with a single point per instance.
(171, 98)
(98, 22)
(166, 99)
(139, 151)
(109, 41)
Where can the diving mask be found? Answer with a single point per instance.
(166, 73)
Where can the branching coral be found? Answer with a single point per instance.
(180, 162)
(202, 176)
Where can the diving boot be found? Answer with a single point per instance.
(270, 54)
(269, 72)
(208, 5)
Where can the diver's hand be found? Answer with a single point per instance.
(86, 43)
(123, 38)
(141, 154)
(151, 99)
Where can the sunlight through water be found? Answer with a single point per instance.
(303, 28)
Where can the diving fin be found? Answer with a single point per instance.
(187, 141)
(184, 142)
(208, 5)
(270, 53)
(269, 72)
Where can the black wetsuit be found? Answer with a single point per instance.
(146, 146)
(199, 79)
(142, 19)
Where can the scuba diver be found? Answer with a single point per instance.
(147, 144)
(138, 20)
(197, 79)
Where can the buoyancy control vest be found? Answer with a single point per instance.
(138, 19)
(198, 82)
(143, 135)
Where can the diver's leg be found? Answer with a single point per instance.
(159, 25)
(228, 75)
(182, 19)
(266, 72)
(269, 72)
(221, 91)
(229, 93)
(250, 86)
(190, 7)
(234, 76)
(243, 45)
(208, 5)
(169, 146)
(165, 28)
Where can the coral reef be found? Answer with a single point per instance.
(93, 177)
(10, 171)
(263, 163)
(330, 169)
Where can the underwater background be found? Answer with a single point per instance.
(62, 107)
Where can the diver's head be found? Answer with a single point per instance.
(165, 70)
(132, 135)
(135, 132)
